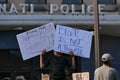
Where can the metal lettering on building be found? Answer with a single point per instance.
(53, 8)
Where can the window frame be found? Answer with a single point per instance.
(106, 2)
(63, 2)
(35, 2)
(3, 1)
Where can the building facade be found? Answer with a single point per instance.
(17, 16)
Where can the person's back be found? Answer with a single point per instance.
(105, 72)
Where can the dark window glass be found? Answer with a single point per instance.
(107, 1)
(35, 1)
(3, 1)
(72, 1)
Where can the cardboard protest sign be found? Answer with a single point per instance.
(80, 76)
(32, 42)
(71, 39)
(45, 76)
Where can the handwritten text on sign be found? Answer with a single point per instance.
(81, 76)
(32, 42)
(67, 39)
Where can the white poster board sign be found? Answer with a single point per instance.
(71, 39)
(45, 76)
(80, 76)
(32, 42)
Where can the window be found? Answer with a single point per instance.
(3, 1)
(35, 1)
(72, 1)
(107, 1)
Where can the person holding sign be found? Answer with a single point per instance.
(57, 64)
(105, 72)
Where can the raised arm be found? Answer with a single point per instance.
(41, 59)
(73, 60)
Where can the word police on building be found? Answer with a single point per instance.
(64, 9)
